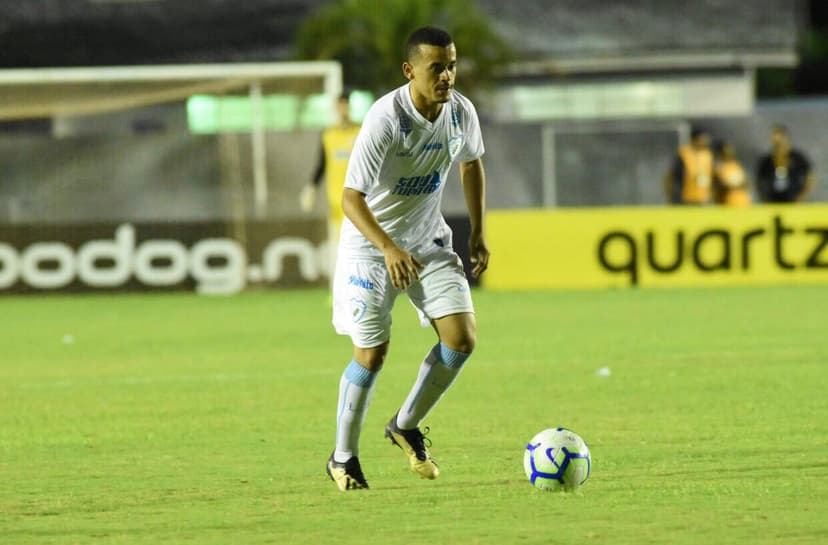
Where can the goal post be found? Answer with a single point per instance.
(48, 92)
(269, 93)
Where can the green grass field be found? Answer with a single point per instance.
(186, 419)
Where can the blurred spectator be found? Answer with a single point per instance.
(690, 177)
(784, 174)
(730, 183)
(337, 144)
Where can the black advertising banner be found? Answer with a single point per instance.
(208, 257)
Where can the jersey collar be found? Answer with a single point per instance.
(408, 104)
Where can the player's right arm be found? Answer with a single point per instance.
(371, 148)
(402, 266)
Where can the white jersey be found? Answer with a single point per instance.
(400, 161)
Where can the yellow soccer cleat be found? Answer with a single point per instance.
(413, 444)
(347, 475)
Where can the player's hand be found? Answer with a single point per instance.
(478, 254)
(403, 268)
(307, 198)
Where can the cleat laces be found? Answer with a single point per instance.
(354, 470)
(418, 441)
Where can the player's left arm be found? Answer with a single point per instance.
(473, 179)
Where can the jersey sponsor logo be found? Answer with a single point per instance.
(418, 185)
(405, 153)
(360, 282)
(433, 146)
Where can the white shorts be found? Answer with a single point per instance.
(363, 296)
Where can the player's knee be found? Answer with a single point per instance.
(462, 339)
(371, 358)
(464, 344)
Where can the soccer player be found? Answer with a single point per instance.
(394, 239)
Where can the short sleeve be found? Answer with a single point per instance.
(473, 145)
(371, 145)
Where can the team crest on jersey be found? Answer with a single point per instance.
(454, 145)
(405, 124)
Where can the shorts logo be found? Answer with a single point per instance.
(360, 282)
(433, 146)
(358, 307)
(417, 185)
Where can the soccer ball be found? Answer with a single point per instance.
(557, 459)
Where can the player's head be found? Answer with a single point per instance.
(700, 138)
(430, 64)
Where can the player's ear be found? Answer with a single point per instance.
(408, 71)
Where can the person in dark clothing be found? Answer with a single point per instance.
(784, 174)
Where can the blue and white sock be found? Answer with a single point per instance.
(437, 372)
(355, 389)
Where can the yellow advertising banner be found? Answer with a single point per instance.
(667, 246)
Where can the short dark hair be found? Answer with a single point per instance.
(427, 35)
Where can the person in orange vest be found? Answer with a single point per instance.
(690, 179)
(730, 183)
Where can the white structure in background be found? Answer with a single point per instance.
(63, 94)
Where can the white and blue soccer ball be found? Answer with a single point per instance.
(557, 459)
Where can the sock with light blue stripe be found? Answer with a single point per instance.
(437, 373)
(452, 358)
(355, 389)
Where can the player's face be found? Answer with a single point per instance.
(432, 73)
